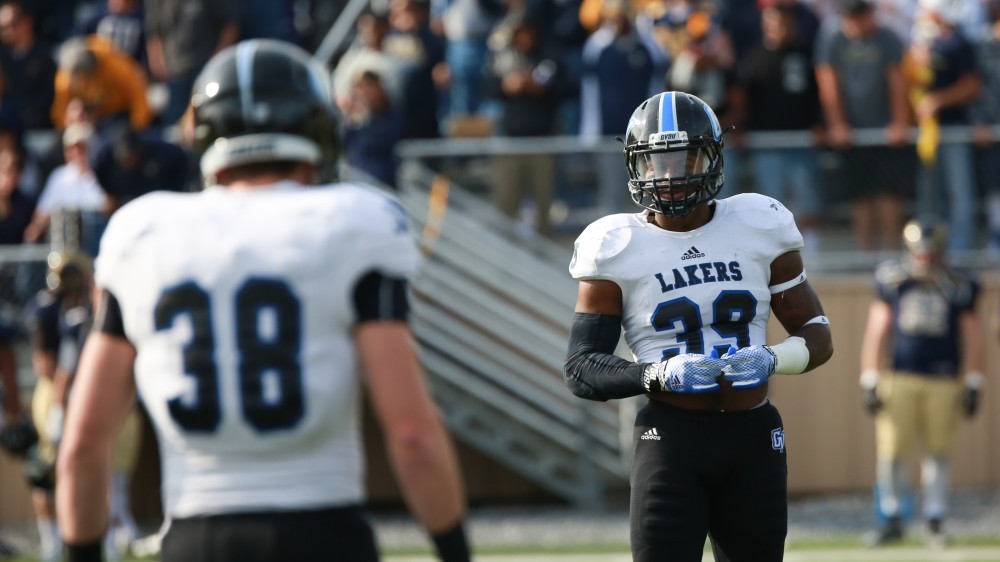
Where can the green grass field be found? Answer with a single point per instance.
(974, 550)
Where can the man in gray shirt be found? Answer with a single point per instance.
(181, 36)
(861, 86)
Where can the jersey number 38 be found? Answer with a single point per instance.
(265, 355)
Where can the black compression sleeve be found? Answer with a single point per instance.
(108, 317)
(380, 297)
(592, 371)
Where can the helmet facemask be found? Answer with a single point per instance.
(671, 175)
(926, 241)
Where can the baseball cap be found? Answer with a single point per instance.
(77, 133)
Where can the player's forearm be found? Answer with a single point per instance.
(426, 467)
(973, 350)
(602, 376)
(592, 371)
(82, 493)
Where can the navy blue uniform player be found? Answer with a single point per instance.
(924, 323)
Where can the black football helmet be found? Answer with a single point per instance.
(673, 152)
(264, 101)
(68, 272)
(926, 241)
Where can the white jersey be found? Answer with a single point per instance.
(239, 304)
(689, 292)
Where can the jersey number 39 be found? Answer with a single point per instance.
(263, 357)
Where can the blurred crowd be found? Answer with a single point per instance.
(110, 76)
(824, 68)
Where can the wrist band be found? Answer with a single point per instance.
(974, 379)
(818, 320)
(868, 379)
(452, 545)
(791, 356)
(84, 552)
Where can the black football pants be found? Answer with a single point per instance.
(324, 535)
(701, 472)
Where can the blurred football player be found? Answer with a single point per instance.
(924, 322)
(246, 309)
(57, 318)
(693, 280)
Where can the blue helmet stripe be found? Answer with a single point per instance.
(667, 105)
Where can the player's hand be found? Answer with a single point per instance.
(54, 423)
(869, 391)
(970, 401)
(687, 373)
(871, 401)
(748, 367)
(18, 437)
(970, 396)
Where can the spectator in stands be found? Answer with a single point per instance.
(778, 93)
(621, 68)
(121, 23)
(861, 86)
(986, 115)
(372, 127)
(528, 82)
(466, 25)
(806, 20)
(702, 64)
(945, 81)
(368, 54)
(182, 36)
(700, 53)
(411, 40)
(70, 187)
(110, 84)
(27, 65)
(16, 208)
(132, 165)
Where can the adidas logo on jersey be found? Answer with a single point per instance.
(651, 434)
(692, 254)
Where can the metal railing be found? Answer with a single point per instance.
(492, 314)
(460, 155)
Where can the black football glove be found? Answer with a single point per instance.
(970, 396)
(970, 401)
(871, 401)
(18, 438)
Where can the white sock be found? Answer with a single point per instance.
(120, 514)
(891, 478)
(48, 533)
(934, 474)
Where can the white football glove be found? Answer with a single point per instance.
(748, 367)
(54, 423)
(688, 373)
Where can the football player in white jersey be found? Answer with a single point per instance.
(692, 280)
(247, 310)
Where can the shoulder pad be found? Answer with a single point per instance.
(600, 242)
(890, 273)
(773, 223)
(761, 211)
